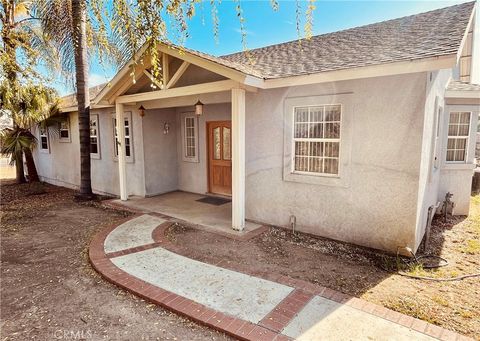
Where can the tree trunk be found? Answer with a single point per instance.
(31, 169)
(10, 69)
(79, 14)
(19, 172)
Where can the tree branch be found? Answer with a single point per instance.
(24, 20)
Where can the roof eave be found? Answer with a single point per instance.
(379, 70)
(467, 94)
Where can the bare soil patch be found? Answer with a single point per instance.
(49, 290)
(361, 272)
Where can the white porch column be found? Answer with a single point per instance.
(122, 169)
(238, 159)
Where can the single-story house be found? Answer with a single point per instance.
(354, 135)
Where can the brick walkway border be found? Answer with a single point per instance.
(270, 326)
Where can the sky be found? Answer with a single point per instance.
(264, 26)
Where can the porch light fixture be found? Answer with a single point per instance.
(199, 108)
(141, 111)
(166, 128)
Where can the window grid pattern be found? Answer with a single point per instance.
(64, 130)
(458, 132)
(127, 137)
(317, 139)
(43, 138)
(190, 140)
(94, 148)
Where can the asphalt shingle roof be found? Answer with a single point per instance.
(462, 86)
(71, 99)
(424, 35)
(430, 34)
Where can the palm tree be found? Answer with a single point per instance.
(31, 105)
(66, 25)
(79, 22)
(19, 34)
(17, 141)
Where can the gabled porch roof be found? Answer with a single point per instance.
(237, 74)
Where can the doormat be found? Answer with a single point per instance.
(214, 200)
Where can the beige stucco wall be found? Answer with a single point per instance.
(161, 173)
(376, 204)
(61, 164)
(429, 179)
(192, 176)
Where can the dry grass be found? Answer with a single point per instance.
(362, 272)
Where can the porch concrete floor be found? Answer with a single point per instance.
(184, 206)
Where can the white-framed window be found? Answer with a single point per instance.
(316, 140)
(128, 137)
(64, 130)
(94, 137)
(458, 133)
(44, 141)
(190, 138)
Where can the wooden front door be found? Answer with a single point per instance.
(220, 157)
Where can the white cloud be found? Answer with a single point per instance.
(96, 79)
(249, 33)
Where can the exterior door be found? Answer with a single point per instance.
(220, 157)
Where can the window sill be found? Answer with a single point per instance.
(64, 140)
(458, 166)
(128, 160)
(44, 151)
(192, 160)
(314, 179)
(95, 156)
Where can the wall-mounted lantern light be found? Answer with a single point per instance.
(199, 108)
(141, 111)
(166, 128)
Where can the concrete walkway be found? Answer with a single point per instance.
(133, 255)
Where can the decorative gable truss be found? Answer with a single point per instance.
(184, 74)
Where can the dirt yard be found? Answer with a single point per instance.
(360, 272)
(48, 289)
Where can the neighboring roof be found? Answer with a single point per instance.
(70, 100)
(462, 86)
(424, 35)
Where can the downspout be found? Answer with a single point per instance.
(431, 213)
